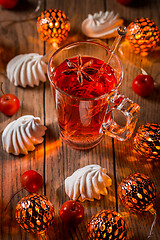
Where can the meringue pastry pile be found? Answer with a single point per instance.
(101, 25)
(89, 182)
(21, 135)
(27, 69)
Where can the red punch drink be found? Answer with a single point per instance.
(85, 90)
(80, 77)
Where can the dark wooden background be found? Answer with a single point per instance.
(53, 159)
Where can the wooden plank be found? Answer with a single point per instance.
(61, 160)
(18, 38)
(126, 163)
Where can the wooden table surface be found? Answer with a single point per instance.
(53, 159)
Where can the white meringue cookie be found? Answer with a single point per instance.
(101, 25)
(88, 182)
(27, 69)
(21, 135)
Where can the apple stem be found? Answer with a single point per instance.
(78, 198)
(2, 88)
(76, 201)
(141, 63)
(12, 198)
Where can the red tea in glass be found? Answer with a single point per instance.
(84, 86)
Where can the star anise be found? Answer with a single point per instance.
(83, 71)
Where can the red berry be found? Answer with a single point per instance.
(143, 85)
(72, 212)
(8, 3)
(124, 2)
(31, 181)
(9, 104)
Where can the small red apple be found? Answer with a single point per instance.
(143, 85)
(124, 2)
(31, 181)
(8, 4)
(9, 104)
(72, 212)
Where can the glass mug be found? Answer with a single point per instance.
(84, 121)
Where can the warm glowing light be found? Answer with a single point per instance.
(35, 213)
(147, 142)
(50, 24)
(139, 196)
(107, 224)
(142, 35)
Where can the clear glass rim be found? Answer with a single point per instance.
(81, 98)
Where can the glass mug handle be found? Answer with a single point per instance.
(130, 110)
